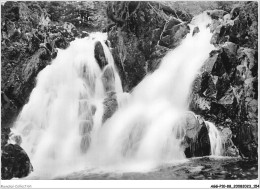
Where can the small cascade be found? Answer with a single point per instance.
(215, 140)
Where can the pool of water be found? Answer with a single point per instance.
(205, 168)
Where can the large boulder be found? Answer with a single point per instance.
(229, 148)
(15, 163)
(197, 138)
(194, 135)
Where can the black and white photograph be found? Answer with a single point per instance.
(147, 94)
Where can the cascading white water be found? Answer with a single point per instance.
(67, 101)
(215, 140)
(61, 125)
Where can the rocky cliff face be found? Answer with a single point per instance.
(226, 90)
(31, 33)
(140, 34)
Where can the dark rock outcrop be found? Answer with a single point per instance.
(15, 163)
(216, 14)
(239, 27)
(226, 90)
(172, 36)
(100, 55)
(5, 131)
(28, 44)
(141, 34)
(31, 32)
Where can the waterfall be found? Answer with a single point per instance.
(61, 125)
(57, 123)
(215, 139)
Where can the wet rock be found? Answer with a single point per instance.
(20, 83)
(246, 143)
(229, 148)
(225, 63)
(171, 23)
(227, 18)
(129, 56)
(100, 55)
(156, 56)
(208, 85)
(248, 59)
(241, 29)
(29, 42)
(214, 26)
(216, 14)
(5, 131)
(210, 62)
(84, 34)
(108, 79)
(235, 12)
(15, 162)
(196, 140)
(200, 104)
(17, 139)
(230, 47)
(156, 35)
(226, 88)
(110, 106)
(172, 37)
(195, 30)
(192, 125)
